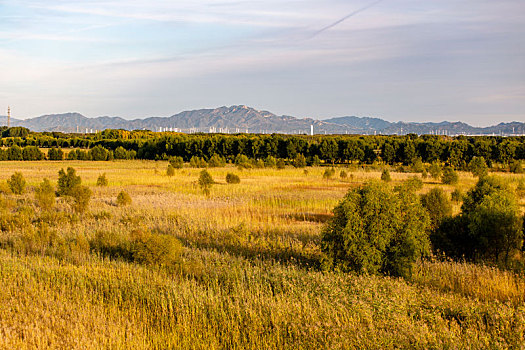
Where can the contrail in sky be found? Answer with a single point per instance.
(345, 18)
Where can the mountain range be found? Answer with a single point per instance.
(236, 119)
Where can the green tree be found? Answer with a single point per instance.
(435, 170)
(385, 176)
(17, 183)
(123, 199)
(177, 162)
(478, 167)
(45, 195)
(170, 171)
(102, 180)
(449, 176)
(232, 178)
(205, 182)
(438, 206)
(376, 230)
(81, 196)
(55, 154)
(67, 181)
(299, 161)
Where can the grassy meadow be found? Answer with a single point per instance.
(248, 276)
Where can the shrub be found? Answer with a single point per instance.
(81, 196)
(299, 161)
(242, 161)
(417, 165)
(170, 171)
(98, 153)
(67, 181)
(478, 167)
(316, 161)
(216, 161)
(17, 183)
(176, 162)
(375, 230)
(205, 182)
(32, 153)
(156, 249)
(270, 162)
(232, 178)
(45, 195)
(449, 177)
(385, 176)
(435, 170)
(280, 164)
(343, 175)
(102, 180)
(55, 154)
(328, 173)
(198, 162)
(437, 205)
(123, 199)
(515, 167)
(414, 183)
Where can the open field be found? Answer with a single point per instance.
(248, 276)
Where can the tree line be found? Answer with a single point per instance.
(457, 152)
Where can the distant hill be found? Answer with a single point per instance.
(236, 119)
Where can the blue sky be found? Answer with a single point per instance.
(410, 60)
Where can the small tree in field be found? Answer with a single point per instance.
(81, 196)
(67, 181)
(205, 182)
(123, 199)
(102, 180)
(435, 170)
(232, 178)
(376, 230)
(17, 183)
(478, 167)
(449, 177)
(437, 205)
(170, 171)
(385, 176)
(45, 195)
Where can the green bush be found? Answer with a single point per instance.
(449, 176)
(478, 167)
(198, 162)
(375, 230)
(55, 154)
(81, 196)
(232, 178)
(155, 249)
(216, 161)
(414, 183)
(438, 206)
(435, 170)
(242, 161)
(516, 167)
(270, 162)
(102, 180)
(385, 176)
(123, 199)
(457, 196)
(205, 182)
(32, 153)
(343, 175)
(280, 164)
(17, 183)
(328, 173)
(176, 162)
(299, 161)
(170, 171)
(45, 195)
(67, 181)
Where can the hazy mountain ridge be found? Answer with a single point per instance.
(246, 119)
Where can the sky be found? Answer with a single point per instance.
(408, 60)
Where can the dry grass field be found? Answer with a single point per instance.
(248, 275)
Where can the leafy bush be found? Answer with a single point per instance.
(45, 195)
(516, 167)
(17, 183)
(457, 196)
(123, 199)
(32, 153)
(156, 249)
(176, 162)
(170, 171)
(67, 181)
(478, 167)
(81, 196)
(98, 153)
(437, 205)
(102, 180)
(316, 161)
(385, 176)
(270, 162)
(242, 161)
(205, 182)
(232, 178)
(435, 170)
(343, 175)
(375, 230)
(328, 173)
(216, 161)
(198, 162)
(414, 183)
(449, 177)
(280, 164)
(299, 161)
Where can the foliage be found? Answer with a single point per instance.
(155, 249)
(435, 170)
(81, 196)
(299, 161)
(232, 178)
(170, 171)
(216, 161)
(456, 196)
(385, 176)
(45, 195)
(375, 230)
(328, 173)
(123, 199)
(280, 164)
(438, 206)
(343, 175)
(17, 183)
(176, 162)
(478, 167)
(55, 154)
(449, 176)
(205, 182)
(67, 181)
(102, 180)
(516, 167)
(198, 162)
